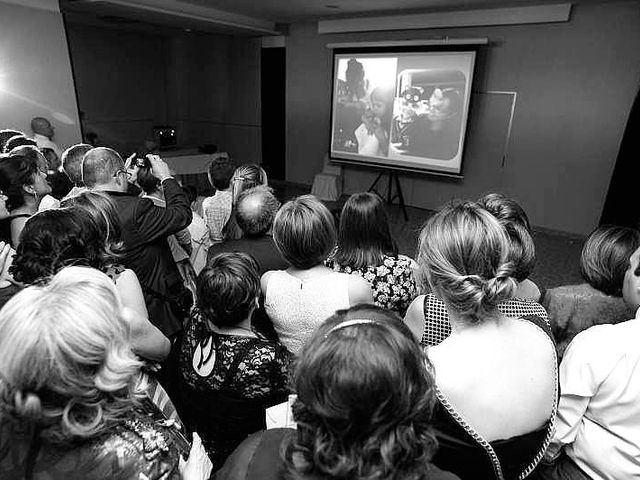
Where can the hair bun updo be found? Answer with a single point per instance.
(463, 253)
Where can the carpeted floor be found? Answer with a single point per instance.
(557, 254)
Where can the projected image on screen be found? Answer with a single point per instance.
(402, 110)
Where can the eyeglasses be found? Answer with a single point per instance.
(121, 170)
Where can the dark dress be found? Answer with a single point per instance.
(465, 453)
(227, 383)
(145, 445)
(259, 458)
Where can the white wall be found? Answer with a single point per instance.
(576, 82)
(35, 72)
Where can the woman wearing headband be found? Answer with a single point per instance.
(496, 375)
(363, 408)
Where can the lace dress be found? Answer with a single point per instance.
(392, 282)
(227, 382)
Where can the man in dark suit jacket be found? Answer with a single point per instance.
(255, 210)
(145, 229)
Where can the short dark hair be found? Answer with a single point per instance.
(52, 240)
(227, 288)
(304, 232)
(363, 388)
(221, 170)
(516, 223)
(364, 235)
(16, 171)
(18, 141)
(6, 134)
(72, 162)
(255, 211)
(146, 180)
(99, 165)
(605, 257)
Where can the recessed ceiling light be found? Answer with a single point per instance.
(187, 30)
(332, 6)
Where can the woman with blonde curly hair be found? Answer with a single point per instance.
(70, 403)
(363, 410)
(496, 376)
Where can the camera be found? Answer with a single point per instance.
(142, 161)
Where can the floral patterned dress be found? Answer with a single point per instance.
(392, 281)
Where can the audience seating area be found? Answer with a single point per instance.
(148, 321)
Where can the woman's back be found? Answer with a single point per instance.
(512, 390)
(296, 306)
(392, 281)
(241, 374)
(501, 408)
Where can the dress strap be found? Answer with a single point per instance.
(479, 439)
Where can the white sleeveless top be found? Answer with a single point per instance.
(296, 307)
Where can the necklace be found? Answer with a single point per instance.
(236, 330)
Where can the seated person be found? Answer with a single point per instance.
(198, 232)
(69, 396)
(255, 211)
(55, 239)
(230, 373)
(598, 429)
(523, 251)
(216, 209)
(363, 408)
(366, 248)
(496, 377)
(301, 297)
(245, 177)
(603, 263)
(428, 317)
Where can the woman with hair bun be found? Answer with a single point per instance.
(71, 405)
(363, 408)
(496, 376)
(430, 311)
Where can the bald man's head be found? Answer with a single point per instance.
(99, 167)
(72, 161)
(255, 210)
(42, 126)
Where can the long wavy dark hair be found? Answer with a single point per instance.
(364, 235)
(54, 239)
(365, 398)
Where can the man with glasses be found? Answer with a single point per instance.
(145, 229)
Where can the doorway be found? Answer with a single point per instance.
(273, 90)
